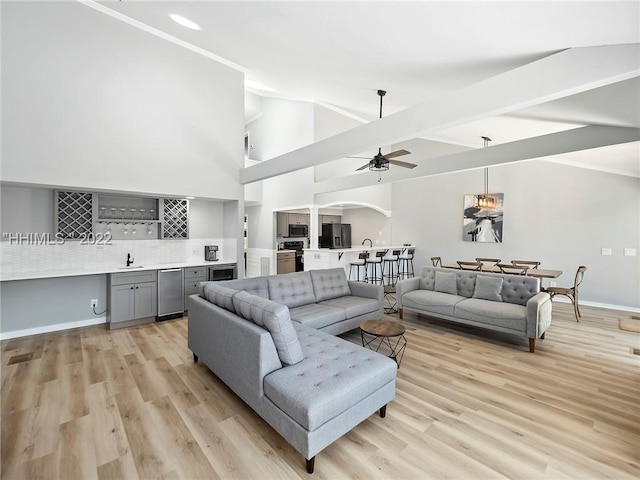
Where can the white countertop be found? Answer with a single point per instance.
(361, 248)
(101, 270)
(286, 251)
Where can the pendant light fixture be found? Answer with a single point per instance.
(485, 200)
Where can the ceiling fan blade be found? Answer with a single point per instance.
(403, 164)
(366, 165)
(351, 156)
(397, 153)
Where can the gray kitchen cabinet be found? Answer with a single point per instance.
(282, 224)
(192, 277)
(299, 218)
(286, 262)
(132, 298)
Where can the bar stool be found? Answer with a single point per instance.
(375, 264)
(437, 261)
(390, 268)
(358, 265)
(405, 264)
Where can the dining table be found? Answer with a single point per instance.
(531, 272)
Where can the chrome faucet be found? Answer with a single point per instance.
(370, 242)
(129, 260)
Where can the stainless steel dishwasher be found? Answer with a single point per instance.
(170, 293)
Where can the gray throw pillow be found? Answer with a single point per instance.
(274, 317)
(488, 288)
(446, 282)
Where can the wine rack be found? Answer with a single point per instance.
(175, 216)
(74, 214)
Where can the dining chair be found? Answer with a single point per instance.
(511, 269)
(437, 261)
(527, 263)
(488, 261)
(469, 265)
(571, 292)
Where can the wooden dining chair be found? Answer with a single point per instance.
(526, 263)
(512, 269)
(469, 265)
(488, 262)
(437, 261)
(571, 292)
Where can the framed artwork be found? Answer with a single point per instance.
(482, 220)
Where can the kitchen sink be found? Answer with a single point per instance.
(132, 267)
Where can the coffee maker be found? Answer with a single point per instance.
(211, 253)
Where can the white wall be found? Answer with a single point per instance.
(557, 214)
(368, 223)
(283, 126)
(93, 103)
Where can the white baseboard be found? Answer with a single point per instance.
(53, 328)
(599, 305)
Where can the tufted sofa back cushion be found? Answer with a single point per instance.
(519, 289)
(329, 283)
(275, 318)
(291, 289)
(516, 289)
(255, 286)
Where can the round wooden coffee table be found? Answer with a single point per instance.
(385, 334)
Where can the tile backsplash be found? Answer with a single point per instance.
(72, 255)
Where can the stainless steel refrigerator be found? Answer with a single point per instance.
(335, 235)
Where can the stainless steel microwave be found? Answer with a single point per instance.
(298, 230)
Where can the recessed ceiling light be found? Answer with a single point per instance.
(190, 198)
(184, 22)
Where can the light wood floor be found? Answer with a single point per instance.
(89, 403)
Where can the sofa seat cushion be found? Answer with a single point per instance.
(354, 306)
(431, 301)
(334, 376)
(317, 316)
(291, 289)
(506, 315)
(329, 283)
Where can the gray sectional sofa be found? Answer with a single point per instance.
(505, 303)
(266, 339)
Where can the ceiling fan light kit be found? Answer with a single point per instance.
(380, 163)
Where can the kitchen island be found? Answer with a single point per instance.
(319, 258)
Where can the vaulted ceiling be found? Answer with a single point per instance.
(338, 54)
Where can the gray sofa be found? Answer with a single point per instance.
(505, 303)
(309, 385)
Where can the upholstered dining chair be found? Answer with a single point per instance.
(571, 292)
(437, 261)
(469, 265)
(513, 269)
(526, 263)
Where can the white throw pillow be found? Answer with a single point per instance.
(488, 288)
(446, 282)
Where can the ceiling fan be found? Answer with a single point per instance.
(381, 162)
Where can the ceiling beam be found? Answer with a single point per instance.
(556, 76)
(583, 138)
